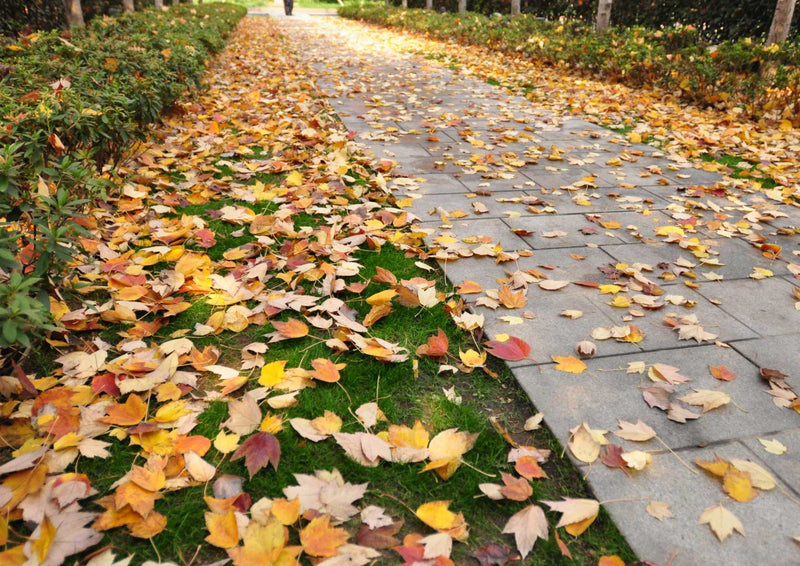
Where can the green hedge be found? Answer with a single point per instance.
(72, 103)
(717, 21)
(764, 81)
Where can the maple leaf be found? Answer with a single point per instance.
(639, 432)
(659, 509)
(738, 485)
(436, 346)
(437, 515)
(513, 349)
(577, 514)
(721, 521)
(366, 449)
(259, 450)
(319, 538)
(569, 364)
(326, 493)
(446, 449)
(379, 538)
(493, 555)
(707, 399)
(224, 532)
(721, 372)
(245, 415)
(527, 526)
(516, 489)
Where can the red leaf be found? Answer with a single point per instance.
(494, 555)
(612, 456)
(512, 350)
(259, 450)
(436, 347)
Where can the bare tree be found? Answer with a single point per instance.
(127, 5)
(781, 21)
(462, 6)
(603, 15)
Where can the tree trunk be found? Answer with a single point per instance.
(603, 15)
(515, 7)
(429, 4)
(405, 4)
(462, 6)
(127, 5)
(159, 4)
(175, 2)
(74, 12)
(781, 22)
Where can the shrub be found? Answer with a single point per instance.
(743, 72)
(72, 102)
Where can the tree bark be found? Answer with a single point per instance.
(74, 13)
(781, 22)
(515, 7)
(429, 4)
(159, 4)
(175, 2)
(127, 5)
(405, 4)
(603, 15)
(462, 6)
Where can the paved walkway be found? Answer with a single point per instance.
(568, 200)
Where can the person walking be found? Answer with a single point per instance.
(287, 7)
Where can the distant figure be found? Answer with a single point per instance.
(287, 6)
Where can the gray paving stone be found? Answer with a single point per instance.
(776, 352)
(451, 203)
(738, 256)
(769, 520)
(659, 336)
(605, 393)
(493, 228)
(572, 223)
(766, 306)
(787, 465)
(436, 184)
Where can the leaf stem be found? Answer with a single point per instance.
(681, 460)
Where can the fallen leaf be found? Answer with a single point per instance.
(721, 521)
(527, 526)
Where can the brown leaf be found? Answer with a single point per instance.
(259, 450)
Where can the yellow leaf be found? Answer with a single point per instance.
(773, 446)
(294, 179)
(287, 512)
(569, 364)
(319, 538)
(47, 533)
(226, 443)
(437, 516)
(667, 230)
(620, 302)
(272, 373)
(738, 485)
(224, 533)
(472, 359)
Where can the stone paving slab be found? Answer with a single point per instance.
(768, 519)
(605, 393)
(439, 115)
(767, 306)
(787, 465)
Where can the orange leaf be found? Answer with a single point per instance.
(436, 347)
(292, 328)
(320, 539)
(569, 364)
(224, 533)
(469, 287)
(738, 485)
(529, 468)
(721, 372)
(326, 370)
(512, 299)
(612, 560)
(129, 413)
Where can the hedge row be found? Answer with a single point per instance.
(71, 103)
(764, 81)
(19, 16)
(717, 21)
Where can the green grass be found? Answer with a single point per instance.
(403, 399)
(739, 168)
